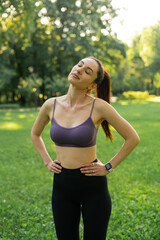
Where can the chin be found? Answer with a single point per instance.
(72, 80)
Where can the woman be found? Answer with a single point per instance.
(80, 183)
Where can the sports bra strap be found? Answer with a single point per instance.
(92, 106)
(54, 106)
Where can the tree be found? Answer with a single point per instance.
(144, 59)
(29, 89)
(157, 82)
(48, 37)
(150, 49)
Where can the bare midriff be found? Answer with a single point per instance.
(72, 157)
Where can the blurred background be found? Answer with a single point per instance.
(40, 41)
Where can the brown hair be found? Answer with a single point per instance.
(104, 92)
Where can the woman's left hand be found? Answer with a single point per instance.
(94, 169)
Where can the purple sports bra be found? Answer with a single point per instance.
(83, 135)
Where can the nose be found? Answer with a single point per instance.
(80, 70)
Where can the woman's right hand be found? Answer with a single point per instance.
(54, 166)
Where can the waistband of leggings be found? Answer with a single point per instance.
(74, 170)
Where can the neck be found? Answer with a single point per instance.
(75, 96)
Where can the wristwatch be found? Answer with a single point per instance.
(109, 167)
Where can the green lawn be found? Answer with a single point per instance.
(26, 184)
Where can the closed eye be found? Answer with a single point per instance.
(85, 70)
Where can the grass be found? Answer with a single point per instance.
(26, 184)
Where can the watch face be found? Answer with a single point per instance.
(108, 166)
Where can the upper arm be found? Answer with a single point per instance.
(109, 114)
(42, 119)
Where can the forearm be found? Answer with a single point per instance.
(125, 150)
(41, 149)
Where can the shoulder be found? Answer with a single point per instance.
(48, 103)
(104, 109)
(101, 104)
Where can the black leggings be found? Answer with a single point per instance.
(73, 193)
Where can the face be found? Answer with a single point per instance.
(84, 73)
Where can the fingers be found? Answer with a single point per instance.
(55, 167)
(57, 161)
(89, 169)
(93, 169)
(57, 164)
(88, 165)
(56, 170)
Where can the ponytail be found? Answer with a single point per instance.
(104, 88)
(104, 92)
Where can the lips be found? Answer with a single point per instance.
(75, 75)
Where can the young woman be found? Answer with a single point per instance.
(80, 182)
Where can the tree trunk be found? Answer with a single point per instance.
(13, 96)
(6, 95)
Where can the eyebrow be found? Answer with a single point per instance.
(87, 67)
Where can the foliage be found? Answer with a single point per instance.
(49, 37)
(134, 95)
(157, 81)
(29, 88)
(144, 57)
(57, 87)
(26, 184)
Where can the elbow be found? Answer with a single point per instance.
(32, 134)
(133, 140)
(136, 140)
